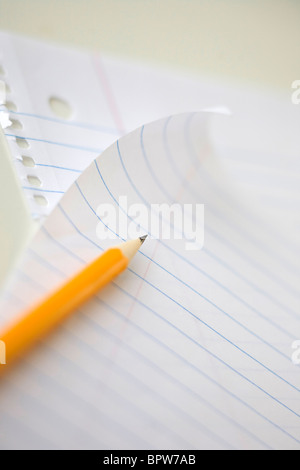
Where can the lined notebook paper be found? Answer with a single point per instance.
(110, 97)
(188, 349)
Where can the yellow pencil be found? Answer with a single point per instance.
(34, 323)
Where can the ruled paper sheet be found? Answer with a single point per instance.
(187, 349)
(110, 97)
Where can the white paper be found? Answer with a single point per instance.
(2, 92)
(4, 120)
(187, 349)
(111, 97)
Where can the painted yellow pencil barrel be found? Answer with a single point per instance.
(34, 323)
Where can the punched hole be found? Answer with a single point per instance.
(10, 105)
(7, 88)
(22, 143)
(40, 200)
(60, 107)
(28, 161)
(34, 181)
(15, 124)
(2, 71)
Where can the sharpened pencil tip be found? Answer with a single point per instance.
(143, 238)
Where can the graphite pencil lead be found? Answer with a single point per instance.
(143, 238)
